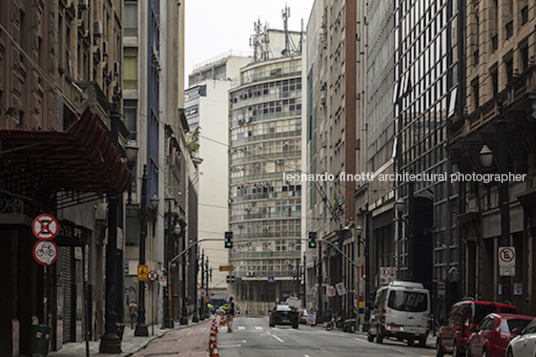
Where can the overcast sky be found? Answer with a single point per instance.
(214, 27)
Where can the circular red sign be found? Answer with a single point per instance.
(152, 275)
(45, 252)
(507, 255)
(45, 227)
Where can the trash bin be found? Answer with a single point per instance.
(39, 339)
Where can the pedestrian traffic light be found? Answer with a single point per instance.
(312, 240)
(228, 240)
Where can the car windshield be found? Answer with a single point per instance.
(408, 301)
(514, 326)
(482, 311)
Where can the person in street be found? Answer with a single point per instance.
(210, 308)
(329, 314)
(133, 311)
(230, 314)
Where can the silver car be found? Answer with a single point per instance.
(523, 345)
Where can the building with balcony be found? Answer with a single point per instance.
(265, 120)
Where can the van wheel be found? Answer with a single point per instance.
(439, 350)
(370, 337)
(484, 353)
(411, 341)
(422, 341)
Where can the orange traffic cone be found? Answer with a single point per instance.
(215, 352)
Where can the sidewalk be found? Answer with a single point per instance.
(130, 344)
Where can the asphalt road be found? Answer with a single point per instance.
(252, 337)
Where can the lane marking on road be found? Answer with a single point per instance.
(188, 334)
(360, 340)
(258, 328)
(241, 327)
(306, 356)
(243, 341)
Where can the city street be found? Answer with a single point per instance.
(252, 337)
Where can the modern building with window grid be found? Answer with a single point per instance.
(428, 53)
(265, 141)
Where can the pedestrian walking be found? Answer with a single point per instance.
(133, 311)
(230, 314)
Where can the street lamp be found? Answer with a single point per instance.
(141, 327)
(110, 341)
(184, 310)
(486, 156)
(168, 254)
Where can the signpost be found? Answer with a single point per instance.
(226, 267)
(341, 290)
(163, 280)
(142, 272)
(507, 261)
(330, 291)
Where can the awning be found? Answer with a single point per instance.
(81, 159)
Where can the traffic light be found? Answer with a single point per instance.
(230, 278)
(312, 240)
(228, 240)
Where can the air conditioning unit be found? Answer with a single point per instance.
(105, 48)
(279, 162)
(241, 122)
(97, 28)
(117, 69)
(83, 4)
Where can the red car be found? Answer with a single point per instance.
(464, 315)
(494, 333)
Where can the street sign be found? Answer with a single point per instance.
(507, 257)
(153, 275)
(226, 267)
(507, 261)
(45, 252)
(387, 274)
(207, 298)
(45, 227)
(271, 279)
(330, 291)
(341, 290)
(202, 293)
(146, 287)
(142, 272)
(441, 289)
(163, 280)
(311, 318)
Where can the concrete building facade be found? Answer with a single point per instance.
(265, 142)
(207, 107)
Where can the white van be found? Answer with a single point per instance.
(401, 310)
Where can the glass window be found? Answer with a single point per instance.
(130, 65)
(408, 301)
(130, 20)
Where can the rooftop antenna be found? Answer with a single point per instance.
(255, 41)
(286, 14)
(301, 38)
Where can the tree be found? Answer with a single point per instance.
(192, 141)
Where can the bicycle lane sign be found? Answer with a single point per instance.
(45, 252)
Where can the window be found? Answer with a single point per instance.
(130, 64)
(495, 82)
(525, 57)
(509, 70)
(130, 20)
(476, 93)
(130, 108)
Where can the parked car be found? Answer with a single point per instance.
(523, 345)
(284, 315)
(494, 333)
(302, 319)
(401, 310)
(465, 315)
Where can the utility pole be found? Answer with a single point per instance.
(141, 327)
(319, 317)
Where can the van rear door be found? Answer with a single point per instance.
(410, 310)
